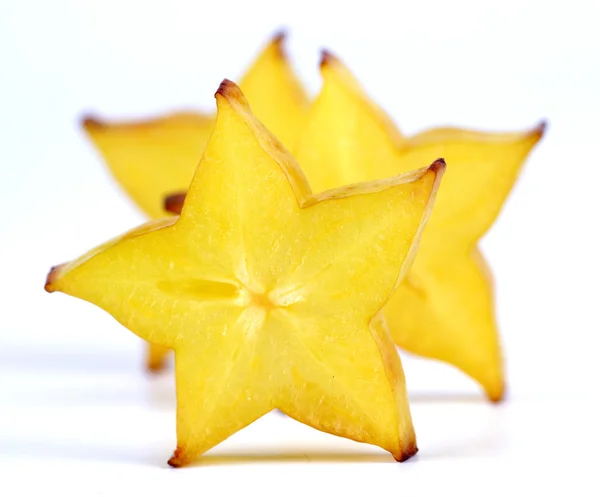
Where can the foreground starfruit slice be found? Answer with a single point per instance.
(268, 294)
(444, 308)
(154, 157)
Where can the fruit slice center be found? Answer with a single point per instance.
(261, 300)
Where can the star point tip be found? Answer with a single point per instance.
(50, 278)
(407, 453)
(174, 203)
(155, 367)
(280, 36)
(91, 122)
(229, 89)
(438, 166)
(327, 58)
(540, 128)
(497, 394)
(177, 460)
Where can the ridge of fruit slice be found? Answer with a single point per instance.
(269, 295)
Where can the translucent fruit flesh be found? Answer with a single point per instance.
(269, 295)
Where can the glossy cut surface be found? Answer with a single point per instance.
(269, 295)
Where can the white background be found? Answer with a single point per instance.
(77, 414)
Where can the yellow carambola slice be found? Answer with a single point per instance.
(347, 138)
(444, 309)
(268, 294)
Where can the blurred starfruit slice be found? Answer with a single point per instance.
(151, 158)
(268, 294)
(444, 309)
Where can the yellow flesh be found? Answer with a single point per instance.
(444, 309)
(151, 159)
(268, 294)
(349, 139)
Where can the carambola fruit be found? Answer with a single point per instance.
(268, 294)
(444, 310)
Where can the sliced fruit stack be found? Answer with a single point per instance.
(276, 295)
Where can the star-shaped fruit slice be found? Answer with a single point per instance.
(269, 295)
(151, 158)
(444, 309)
